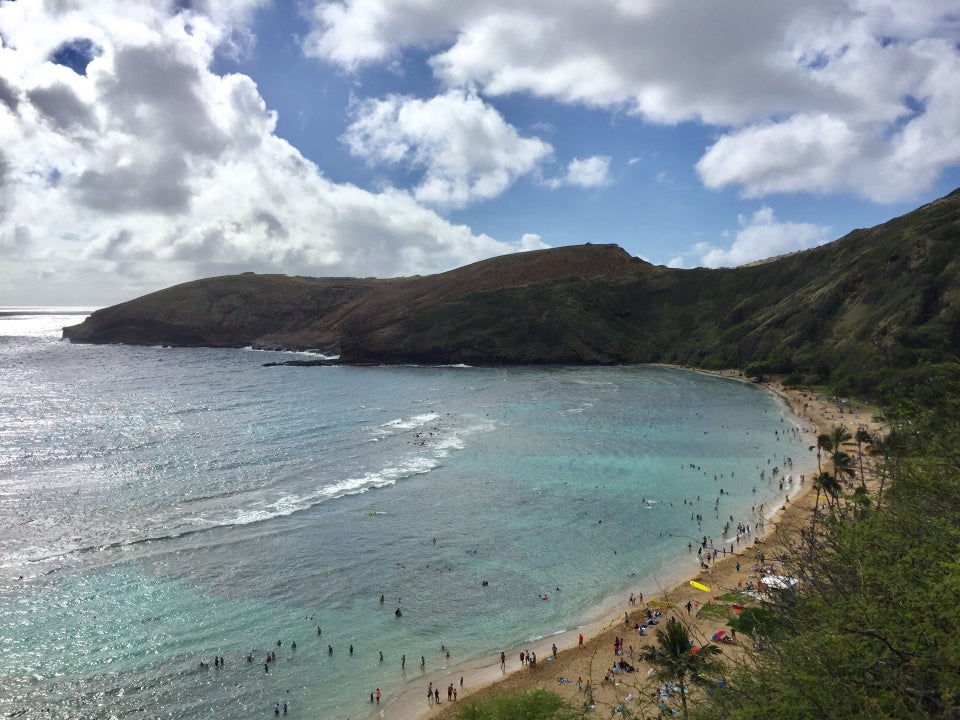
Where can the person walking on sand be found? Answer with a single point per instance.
(503, 660)
(580, 642)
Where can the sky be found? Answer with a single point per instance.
(147, 143)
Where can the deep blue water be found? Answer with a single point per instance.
(162, 506)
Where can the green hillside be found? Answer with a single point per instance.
(846, 313)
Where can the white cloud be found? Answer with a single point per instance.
(878, 77)
(795, 154)
(884, 160)
(588, 172)
(465, 149)
(354, 32)
(140, 167)
(531, 241)
(760, 236)
(667, 60)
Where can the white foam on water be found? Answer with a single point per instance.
(412, 422)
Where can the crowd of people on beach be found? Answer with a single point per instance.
(433, 693)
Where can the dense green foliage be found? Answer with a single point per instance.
(533, 705)
(874, 629)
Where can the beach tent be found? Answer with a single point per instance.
(778, 582)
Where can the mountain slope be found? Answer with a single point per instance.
(888, 296)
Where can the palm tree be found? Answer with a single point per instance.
(842, 465)
(881, 447)
(862, 437)
(838, 436)
(833, 443)
(830, 487)
(677, 659)
(824, 442)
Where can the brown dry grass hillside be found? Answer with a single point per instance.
(311, 313)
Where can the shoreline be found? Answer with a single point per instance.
(482, 677)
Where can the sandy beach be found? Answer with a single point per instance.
(590, 663)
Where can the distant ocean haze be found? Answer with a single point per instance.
(166, 506)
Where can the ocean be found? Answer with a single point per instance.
(161, 507)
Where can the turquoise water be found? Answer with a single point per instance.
(163, 506)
